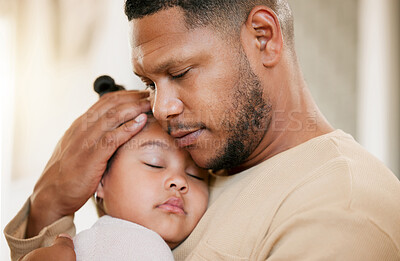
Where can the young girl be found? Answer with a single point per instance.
(152, 195)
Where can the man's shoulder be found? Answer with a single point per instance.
(345, 179)
(335, 155)
(326, 170)
(358, 176)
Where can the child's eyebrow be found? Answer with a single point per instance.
(157, 143)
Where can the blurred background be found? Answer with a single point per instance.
(52, 50)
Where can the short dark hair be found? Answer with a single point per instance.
(225, 15)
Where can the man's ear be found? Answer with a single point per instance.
(263, 27)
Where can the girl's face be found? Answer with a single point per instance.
(157, 185)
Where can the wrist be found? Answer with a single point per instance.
(41, 213)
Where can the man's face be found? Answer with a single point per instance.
(204, 92)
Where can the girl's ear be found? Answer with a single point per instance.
(100, 190)
(98, 198)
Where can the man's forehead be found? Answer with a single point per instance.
(163, 23)
(156, 34)
(157, 55)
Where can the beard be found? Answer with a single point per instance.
(248, 122)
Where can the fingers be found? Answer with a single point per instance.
(113, 99)
(119, 115)
(114, 139)
(93, 125)
(107, 116)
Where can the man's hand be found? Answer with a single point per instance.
(80, 158)
(61, 250)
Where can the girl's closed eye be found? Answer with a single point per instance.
(153, 166)
(153, 161)
(196, 173)
(194, 176)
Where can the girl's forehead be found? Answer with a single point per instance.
(151, 134)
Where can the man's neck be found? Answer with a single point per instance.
(296, 121)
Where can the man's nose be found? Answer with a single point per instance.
(177, 182)
(166, 103)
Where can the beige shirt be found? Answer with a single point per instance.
(326, 199)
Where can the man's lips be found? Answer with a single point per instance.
(173, 205)
(187, 137)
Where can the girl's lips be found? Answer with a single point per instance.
(173, 205)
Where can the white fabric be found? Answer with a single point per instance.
(116, 239)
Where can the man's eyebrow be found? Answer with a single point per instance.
(164, 65)
(168, 63)
(150, 143)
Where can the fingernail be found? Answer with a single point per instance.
(65, 235)
(140, 118)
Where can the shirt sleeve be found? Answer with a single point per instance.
(327, 234)
(15, 233)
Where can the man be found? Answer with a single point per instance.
(225, 82)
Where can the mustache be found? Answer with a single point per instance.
(175, 126)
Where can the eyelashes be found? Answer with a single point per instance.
(161, 167)
(180, 75)
(196, 177)
(153, 166)
(152, 86)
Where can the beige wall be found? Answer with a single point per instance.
(349, 53)
(326, 44)
(62, 46)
